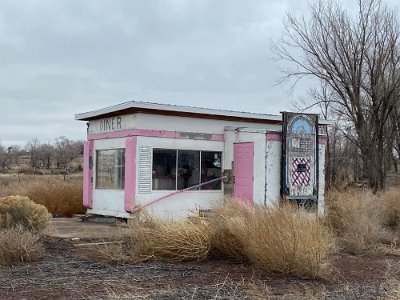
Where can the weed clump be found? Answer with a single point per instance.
(19, 244)
(171, 240)
(279, 239)
(20, 210)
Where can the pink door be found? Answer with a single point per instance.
(243, 167)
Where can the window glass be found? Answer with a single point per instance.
(180, 169)
(164, 169)
(110, 169)
(211, 169)
(188, 169)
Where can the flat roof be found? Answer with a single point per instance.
(179, 110)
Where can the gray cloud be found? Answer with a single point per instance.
(58, 58)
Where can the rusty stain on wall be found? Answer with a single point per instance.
(196, 136)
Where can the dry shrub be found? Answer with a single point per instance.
(289, 241)
(358, 218)
(226, 223)
(391, 198)
(61, 199)
(280, 239)
(19, 244)
(20, 210)
(171, 240)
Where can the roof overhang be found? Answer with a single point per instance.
(184, 111)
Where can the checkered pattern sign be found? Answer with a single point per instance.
(301, 171)
(301, 144)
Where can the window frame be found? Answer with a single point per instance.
(199, 189)
(96, 169)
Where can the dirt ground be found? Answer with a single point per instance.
(67, 273)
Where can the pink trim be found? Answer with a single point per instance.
(218, 137)
(322, 140)
(110, 135)
(88, 174)
(274, 136)
(157, 133)
(130, 174)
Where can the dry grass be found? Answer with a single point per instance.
(61, 197)
(391, 198)
(302, 290)
(171, 240)
(279, 239)
(138, 294)
(108, 251)
(288, 241)
(219, 289)
(156, 240)
(358, 219)
(394, 293)
(226, 223)
(19, 244)
(20, 210)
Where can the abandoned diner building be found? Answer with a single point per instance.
(175, 160)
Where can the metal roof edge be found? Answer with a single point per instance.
(101, 111)
(181, 109)
(174, 108)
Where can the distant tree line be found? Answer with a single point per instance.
(59, 154)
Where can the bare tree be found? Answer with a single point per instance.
(46, 154)
(4, 159)
(32, 147)
(358, 60)
(62, 147)
(66, 151)
(14, 153)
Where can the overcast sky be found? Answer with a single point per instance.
(59, 58)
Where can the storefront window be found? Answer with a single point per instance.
(180, 169)
(110, 169)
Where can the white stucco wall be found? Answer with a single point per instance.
(273, 171)
(112, 124)
(185, 124)
(321, 179)
(172, 123)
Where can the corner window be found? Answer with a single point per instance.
(180, 169)
(110, 169)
